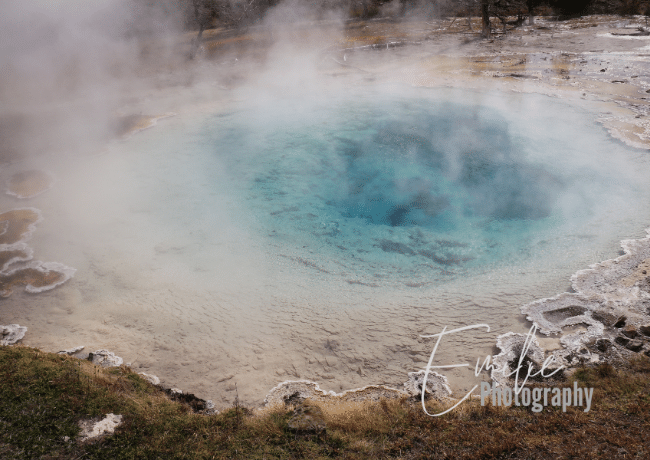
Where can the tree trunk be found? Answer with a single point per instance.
(196, 43)
(531, 16)
(485, 16)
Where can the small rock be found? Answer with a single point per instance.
(11, 334)
(197, 405)
(645, 330)
(629, 332)
(105, 358)
(510, 358)
(291, 392)
(622, 341)
(71, 351)
(635, 346)
(605, 318)
(437, 385)
(603, 345)
(210, 408)
(568, 373)
(620, 322)
(106, 426)
(152, 379)
(307, 418)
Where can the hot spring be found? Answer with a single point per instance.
(279, 238)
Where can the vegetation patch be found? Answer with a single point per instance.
(45, 396)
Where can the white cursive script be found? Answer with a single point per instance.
(487, 364)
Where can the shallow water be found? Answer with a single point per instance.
(317, 238)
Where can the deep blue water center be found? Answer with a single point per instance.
(422, 187)
(402, 175)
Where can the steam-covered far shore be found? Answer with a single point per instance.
(217, 265)
(69, 69)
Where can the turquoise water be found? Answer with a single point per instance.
(384, 187)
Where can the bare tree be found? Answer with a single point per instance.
(530, 5)
(199, 19)
(470, 4)
(205, 12)
(485, 17)
(234, 13)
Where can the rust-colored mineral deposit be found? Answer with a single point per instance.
(128, 125)
(14, 253)
(18, 224)
(28, 184)
(36, 277)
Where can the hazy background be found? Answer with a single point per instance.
(66, 67)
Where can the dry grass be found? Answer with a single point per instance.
(43, 396)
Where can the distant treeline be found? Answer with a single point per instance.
(203, 14)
